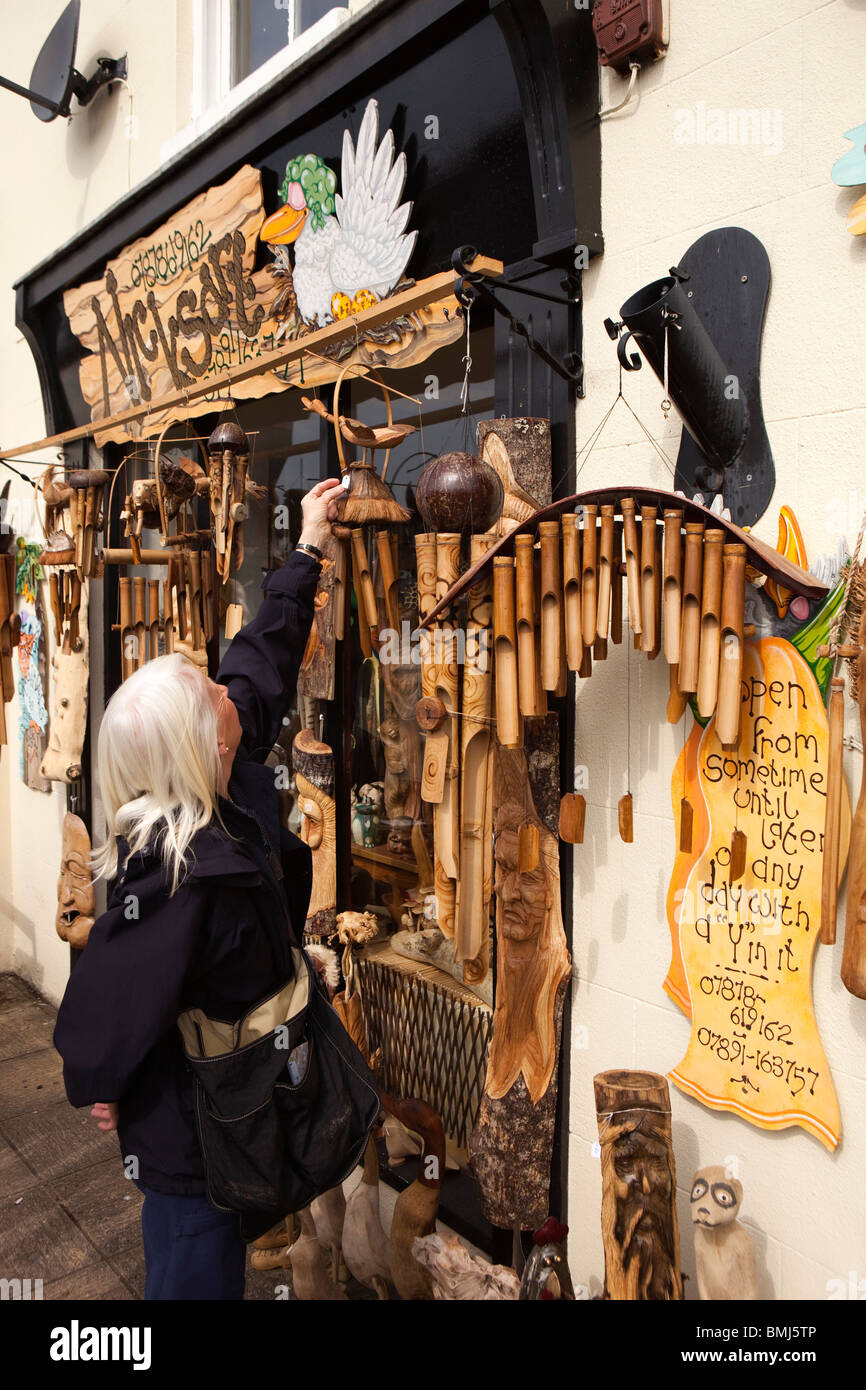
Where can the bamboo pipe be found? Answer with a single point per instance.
(364, 588)
(605, 573)
(193, 589)
(731, 652)
(210, 620)
(474, 889)
(551, 605)
(833, 813)
(127, 648)
(152, 619)
(673, 578)
(74, 610)
(677, 701)
(339, 590)
(632, 569)
(54, 599)
(589, 584)
(447, 670)
(648, 577)
(657, 595)
(116, 556)
(690, 628)
(139, 620)
(616, 586)
(571, 590)
(167, 618)
(524, 547)
(425, 560)
(388, 570)
(711, 612)
(505, 654)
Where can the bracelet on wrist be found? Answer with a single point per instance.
(310, 548)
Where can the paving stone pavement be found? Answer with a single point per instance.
(68, 1216)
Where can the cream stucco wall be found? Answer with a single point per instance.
(57, 178)
(804, 60)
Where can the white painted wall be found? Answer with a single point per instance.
(804, 60)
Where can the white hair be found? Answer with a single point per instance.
(158, 764)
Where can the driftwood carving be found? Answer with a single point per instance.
(519, 450)
(71, 666)
(638, 1174)
(314, 778)
(512, 1142)
(75, 885)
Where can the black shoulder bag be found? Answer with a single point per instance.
(284, 1101)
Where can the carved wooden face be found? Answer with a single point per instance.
(74, 886)
(643, 1183)
(312, 817)
(716, 1198)
(524, 897)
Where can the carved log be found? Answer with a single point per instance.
(314, 778)
(71, 666)
(638, 1174)
(512, 1142)
(316, 679)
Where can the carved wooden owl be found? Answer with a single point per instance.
(716, 1198)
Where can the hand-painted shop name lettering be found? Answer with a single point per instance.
(224, 291)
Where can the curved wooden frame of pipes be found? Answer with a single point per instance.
(761, 556)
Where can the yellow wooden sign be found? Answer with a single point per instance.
(742, 951)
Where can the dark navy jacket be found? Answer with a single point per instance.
(221, 943)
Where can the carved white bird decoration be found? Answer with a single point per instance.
(351, 248)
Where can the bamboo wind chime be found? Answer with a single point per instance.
(558, 601)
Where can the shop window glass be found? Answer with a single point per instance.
(262, 27)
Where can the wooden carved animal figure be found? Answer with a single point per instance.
(460, 1276)
(365, 1245)
(724, 1250)
(328, 1213)
(272, 1250)
(416, 1207)
(311, 1280)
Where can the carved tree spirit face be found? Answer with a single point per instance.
(74, 887)
(715, 1197)
(312, 821)
(524, 897)
(643, 1181)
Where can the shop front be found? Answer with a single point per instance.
(373, 268)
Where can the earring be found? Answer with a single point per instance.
(223, 748)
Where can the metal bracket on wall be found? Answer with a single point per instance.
(471, 285)
(700, 330)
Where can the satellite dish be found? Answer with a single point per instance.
(55, 79)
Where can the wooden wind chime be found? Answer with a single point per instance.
(557, 602)
(369, 501)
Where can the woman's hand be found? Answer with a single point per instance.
(105, 1111)
(319, 510)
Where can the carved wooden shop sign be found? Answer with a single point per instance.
(743, 943)
(186, 303)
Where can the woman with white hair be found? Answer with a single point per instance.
(206, 883)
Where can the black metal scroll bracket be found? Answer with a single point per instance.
(470, 285)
